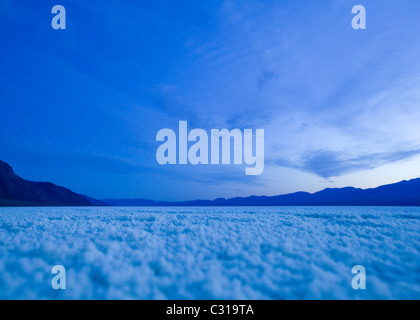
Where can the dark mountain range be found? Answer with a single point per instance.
(15, 191)
(404, 193)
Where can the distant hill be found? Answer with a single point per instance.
(94, 202)
(15, 191)
(404, 193)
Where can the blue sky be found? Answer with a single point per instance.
(81, 107)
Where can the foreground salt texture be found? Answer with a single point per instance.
(209, 253)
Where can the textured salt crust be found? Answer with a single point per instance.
(209, 253)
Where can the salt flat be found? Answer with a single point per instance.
(210, 253)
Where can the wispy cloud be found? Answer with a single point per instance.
(328, 164)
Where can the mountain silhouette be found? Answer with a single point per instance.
(15, 191)
(404, 193)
